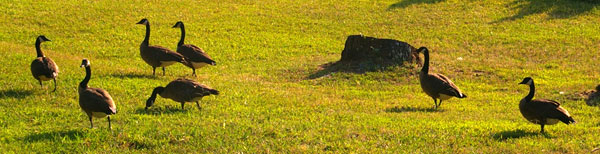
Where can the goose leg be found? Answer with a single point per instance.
(182, 103)
(153, 70)
(54, 85)
(91, 123)
(542, 128)
(42, 86)
(193, 72)
(163, 71)
(435, 102)
(440, 104)
(108, 117)
(199, 108)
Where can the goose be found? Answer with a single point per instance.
(182, 90)
(542, 111)
(157, 56)
(195, 56)
(437, 86)
(43, 68)
(95, 102)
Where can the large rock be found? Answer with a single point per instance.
(383, 52)
(592, 97)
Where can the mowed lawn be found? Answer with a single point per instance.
(274, 97)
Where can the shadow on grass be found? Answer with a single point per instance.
(411, 109)
(133, 75)
(15, 93)
(55, 135)
(406, 3)
(357, 68)
(505, 135)
(332, 67)
(158, 110)
(556, 9)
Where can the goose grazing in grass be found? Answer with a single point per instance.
(542, 111)
(43, 68)
(182, 90)
(195, 56)
(95, 102)
(437, 86)
(157, 56)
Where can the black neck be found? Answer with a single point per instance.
(425, 68)
(182, 36)
(156, 91)
(38, 49)
(147, 38)
(88, 74)
(531, 92)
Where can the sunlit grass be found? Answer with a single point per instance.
(267, 53)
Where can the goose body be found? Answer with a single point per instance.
(95, 102)
(195, 56)
(157, 56)
(542, 111)
(182, 90)
(437, 86)
(43, 68)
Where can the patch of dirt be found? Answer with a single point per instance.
(592, 97)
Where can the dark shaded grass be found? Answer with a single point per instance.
(15, 93)
(397, 109)
(55, 136)
(515, 134)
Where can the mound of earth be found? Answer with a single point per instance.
(592, 97)
(363, 53)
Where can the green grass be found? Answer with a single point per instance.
(266, 54)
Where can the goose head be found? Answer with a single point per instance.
(42, 38)
(85, 63)
(527, 81)
(143, 22)
(179, 24)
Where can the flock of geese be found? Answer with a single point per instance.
(97, 102)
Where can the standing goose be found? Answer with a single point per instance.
(542, 111)
(157, 56)
(195, 56)
(95, 102)
(182, 90)
(43, 68)
(437, 86)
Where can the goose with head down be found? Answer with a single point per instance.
(182, 90)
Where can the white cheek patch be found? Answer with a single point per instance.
(529, 82)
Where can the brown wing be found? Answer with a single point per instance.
(203, 90)
(435, 84)
(194, 54)
(44, 66)
(96, 100)
(179, 90)
(184, 90)
(153, 55)
(551, 109)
